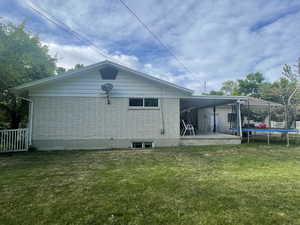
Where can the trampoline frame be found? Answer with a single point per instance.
(268, 131)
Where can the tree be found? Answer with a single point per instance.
(248, 86)
(215, 93)
(78, 66)
(251, 84)
(60, 70)
(278, 91)
(230, 87)
(285, 91)
(22, 59)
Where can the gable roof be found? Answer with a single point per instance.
(68, 74)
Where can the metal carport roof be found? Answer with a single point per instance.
(204, 101)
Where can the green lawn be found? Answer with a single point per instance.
(245, 184)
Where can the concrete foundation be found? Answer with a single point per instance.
(73, 144)
(210, 139)
(99, 143)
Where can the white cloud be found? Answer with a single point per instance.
(70, 55)
(213, 38)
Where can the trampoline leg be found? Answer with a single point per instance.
(287, 140)
(268, 138)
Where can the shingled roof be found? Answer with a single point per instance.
(259, 102)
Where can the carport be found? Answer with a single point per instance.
(189, 106)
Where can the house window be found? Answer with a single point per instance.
(143, 102)
(138, 145)
(148, 145)
(151, 102)
(136, 102)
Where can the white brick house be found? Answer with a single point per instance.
(71, 111)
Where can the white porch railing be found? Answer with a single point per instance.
(16, 140)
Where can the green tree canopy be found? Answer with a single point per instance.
(78, 66)
(60, 70)
(251, 84)
(230, 87)
(248, 86)
(278, 91)
(285, 90)
(23, 58)
(215, 93)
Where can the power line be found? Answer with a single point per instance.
(155, 36)
(78, 36)
(67, 29)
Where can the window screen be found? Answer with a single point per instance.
(151, 102)
(136, 102)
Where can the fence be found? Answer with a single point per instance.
(282, 124)
(14, 140)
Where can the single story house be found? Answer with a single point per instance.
(107, 105)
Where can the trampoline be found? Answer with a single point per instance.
(268, 131)
(260, 117)
(274, 130)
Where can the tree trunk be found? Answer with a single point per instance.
(14, 120)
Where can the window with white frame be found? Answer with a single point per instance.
(143, 102)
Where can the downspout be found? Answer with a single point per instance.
(161, 100)
(30, 117)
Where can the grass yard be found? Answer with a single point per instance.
(246, 184)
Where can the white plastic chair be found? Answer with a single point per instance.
(187, 127)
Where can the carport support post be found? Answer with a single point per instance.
(239, 118)
(248, 118)
(214, 111)
(269, 115)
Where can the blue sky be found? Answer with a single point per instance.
(217, 40)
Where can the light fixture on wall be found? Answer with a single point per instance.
(107, 89)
